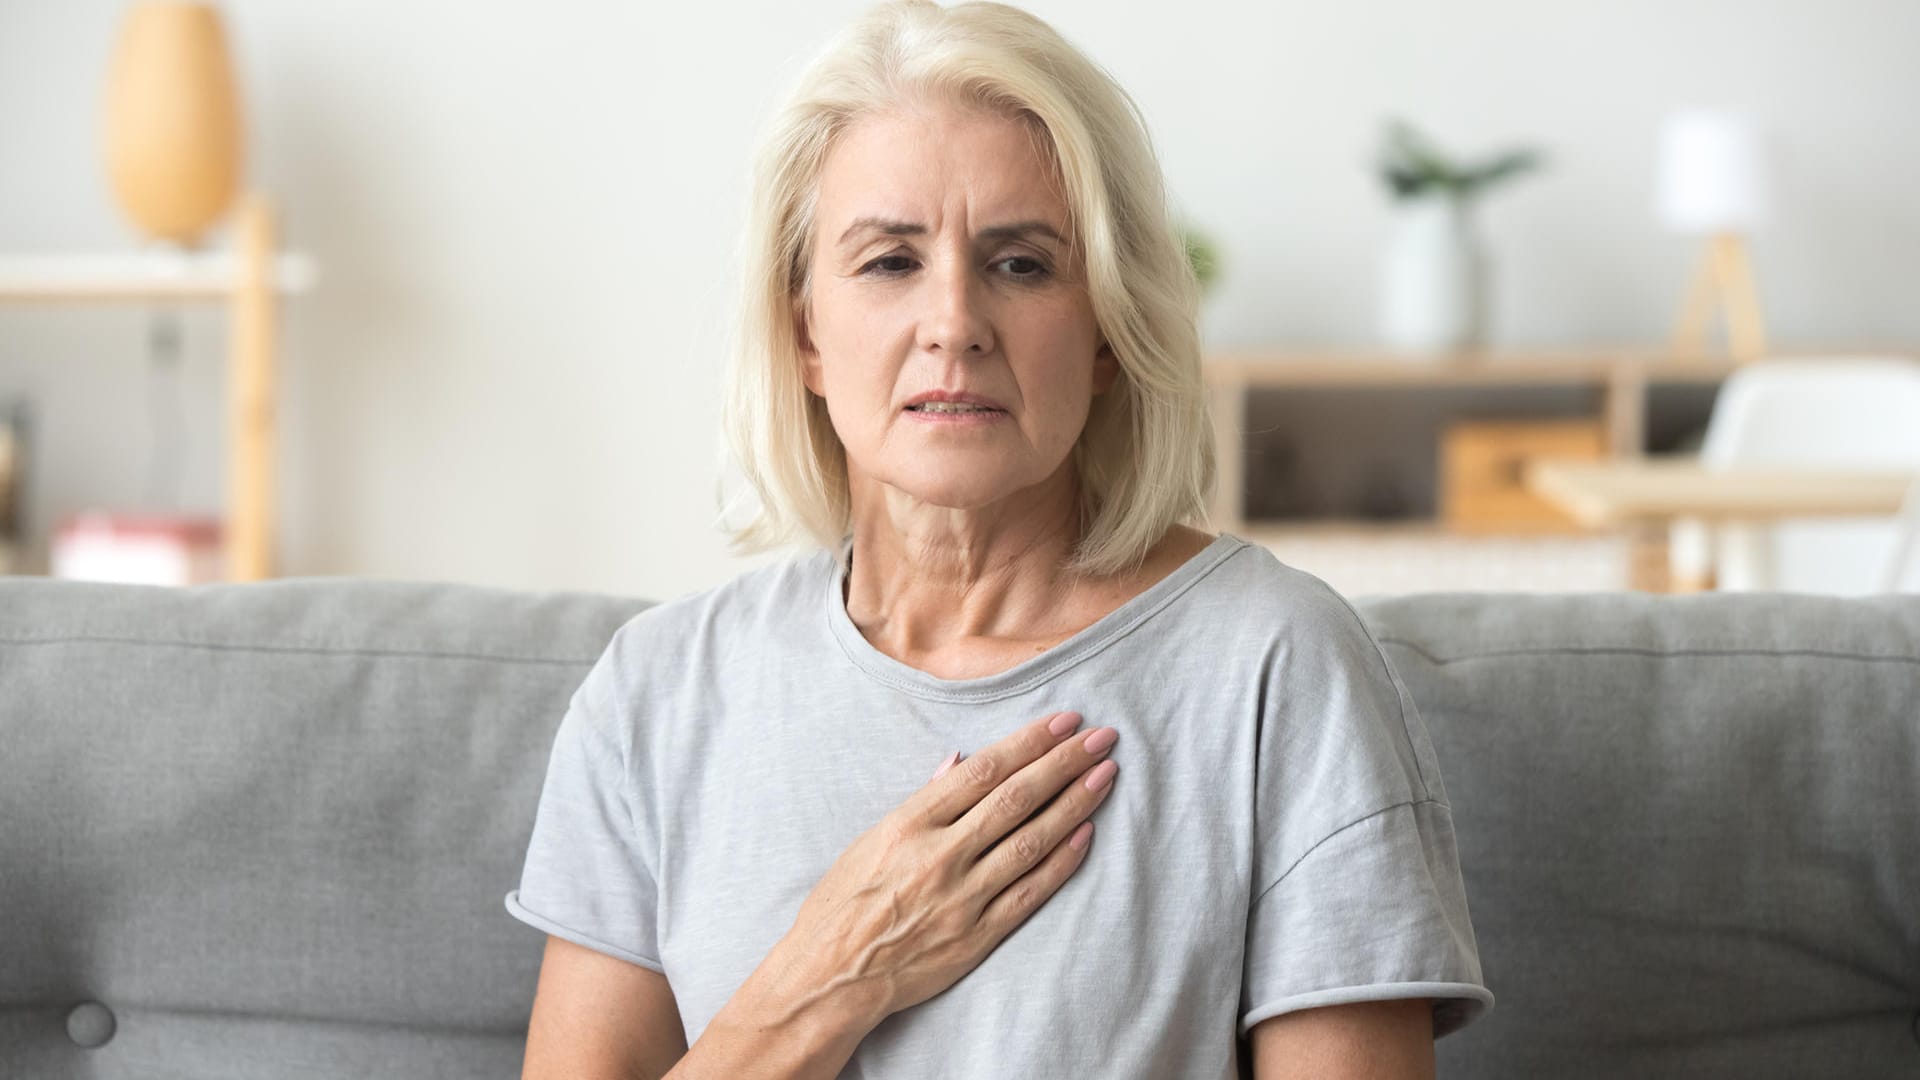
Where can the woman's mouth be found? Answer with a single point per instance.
(951, 413)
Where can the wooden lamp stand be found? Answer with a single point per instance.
(1724, 280)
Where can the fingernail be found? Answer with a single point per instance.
(952, 760)
(1099, 741)
(1064, 723)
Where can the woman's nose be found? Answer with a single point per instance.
(954, 320)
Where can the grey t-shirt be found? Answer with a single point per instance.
(1278, 837)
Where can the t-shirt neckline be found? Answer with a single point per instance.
(1028, 673)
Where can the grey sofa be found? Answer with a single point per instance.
(264, 830)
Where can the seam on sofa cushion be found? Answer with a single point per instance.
(124, 1007)
(1626, 650)
(166, 643)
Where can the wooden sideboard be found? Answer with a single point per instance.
(1620, 377)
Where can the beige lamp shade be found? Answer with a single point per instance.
(173, 137)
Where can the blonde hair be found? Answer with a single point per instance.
(1145, 461)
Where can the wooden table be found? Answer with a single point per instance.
(1657, 490)
(1654, 492)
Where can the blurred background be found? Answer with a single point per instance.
(460, 304)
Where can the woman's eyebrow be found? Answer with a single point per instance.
(892, 227)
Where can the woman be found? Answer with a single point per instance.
(970, 378)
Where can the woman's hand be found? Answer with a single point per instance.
(925, 895)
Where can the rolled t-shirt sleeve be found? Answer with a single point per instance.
(588, 875)
(1357, 890)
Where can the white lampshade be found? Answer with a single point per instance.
(1712, 173)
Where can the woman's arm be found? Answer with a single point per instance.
(1363, 1039)
(597, 1017)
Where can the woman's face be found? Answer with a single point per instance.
(939, 263)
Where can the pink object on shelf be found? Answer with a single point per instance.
(137, 548)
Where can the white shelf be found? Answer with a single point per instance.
(155, 275)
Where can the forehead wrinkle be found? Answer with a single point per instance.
(895, 227)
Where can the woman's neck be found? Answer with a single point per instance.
(922, 595)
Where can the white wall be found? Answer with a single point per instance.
(525, 217)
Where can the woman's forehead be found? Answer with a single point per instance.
(916, 165)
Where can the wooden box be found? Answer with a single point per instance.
(1482, 489)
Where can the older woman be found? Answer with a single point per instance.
(970, 381)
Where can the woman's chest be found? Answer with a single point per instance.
(770, 806)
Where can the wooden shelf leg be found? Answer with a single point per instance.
(251, 432)
(1625, 409)
(1648, 560)
(1229, 400)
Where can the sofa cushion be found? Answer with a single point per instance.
(267, 826)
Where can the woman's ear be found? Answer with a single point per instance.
(809, 356)
(1106, 367)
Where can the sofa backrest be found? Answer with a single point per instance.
(265, 829)
(1689, 827)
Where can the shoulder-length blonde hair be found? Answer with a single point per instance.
(1145, 460)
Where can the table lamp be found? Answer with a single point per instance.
(173, 130)
(1712, 182)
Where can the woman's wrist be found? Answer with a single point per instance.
(782, 1023)
(777, 1042)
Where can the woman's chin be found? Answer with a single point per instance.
(959, 494)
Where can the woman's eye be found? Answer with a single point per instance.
(875, 264)
(1034, 269)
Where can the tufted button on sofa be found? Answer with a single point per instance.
(90, 1025)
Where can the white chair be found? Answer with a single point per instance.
(1844, 412)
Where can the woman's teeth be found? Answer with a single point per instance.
(948, 407)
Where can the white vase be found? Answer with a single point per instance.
(1434, 280)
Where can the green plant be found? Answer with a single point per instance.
(1202, 254)
(1411, 165)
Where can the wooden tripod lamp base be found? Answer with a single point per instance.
(1724, 281)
